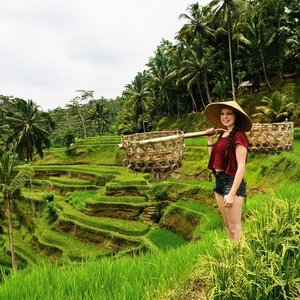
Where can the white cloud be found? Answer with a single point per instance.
(51, 48)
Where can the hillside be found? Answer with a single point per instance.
(100, 209)
(197, 121)
(87, 205)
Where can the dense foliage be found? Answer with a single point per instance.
(220, 46)
(24, 128)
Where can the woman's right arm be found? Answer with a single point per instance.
(209, 144)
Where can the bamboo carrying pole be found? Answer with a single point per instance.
(208, 132)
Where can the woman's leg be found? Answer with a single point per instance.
(234, 218)
(220, 202)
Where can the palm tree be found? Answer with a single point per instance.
(98, 113)
(275, 109)
(11, 183)
(257, 38)
(139, 98)
(227, 9)
(160, 74)
(30, 128)
(194, 68)
(197, 27)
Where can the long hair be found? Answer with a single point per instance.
(228, 144)
(230, 137)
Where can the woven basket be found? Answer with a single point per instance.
(157, 157)
(146, 152)
(271, 137)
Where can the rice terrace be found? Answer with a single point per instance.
(112, 199)
(128, 237)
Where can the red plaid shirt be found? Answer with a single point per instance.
(217, 157)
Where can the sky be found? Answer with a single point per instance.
(52, 48)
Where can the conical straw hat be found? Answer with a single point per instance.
(213, 114)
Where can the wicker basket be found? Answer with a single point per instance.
(157, 157)
(271, 137)
(161, 152)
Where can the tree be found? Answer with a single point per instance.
(160, 74)
(11, 182)
(98, 113)
(194, 68)
(76, 106)
(198, 27)
(138, 98)
(227, 9)
(196, 34)
(275, 109)
(257, 38)
(30, 128)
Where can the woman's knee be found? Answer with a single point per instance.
(234, 229)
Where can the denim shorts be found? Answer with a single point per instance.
(224, 183)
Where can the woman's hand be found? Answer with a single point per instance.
(228, 200)
(210, 137)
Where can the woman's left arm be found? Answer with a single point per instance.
(241, 156)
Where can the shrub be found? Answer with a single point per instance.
(50, 206)
(48, 196)
(52, 211)
(69, 139)
(265, 266)
(71, 151)
(158, 193)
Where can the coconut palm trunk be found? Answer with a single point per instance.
(10, 233)
(10, 186)
(193, 101)
(205, 81)
(170, 110)
(200, 93)
(264, 68)
(231, 65)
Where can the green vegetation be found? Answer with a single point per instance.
(137, 277)
(12, 200)
(122, 226)
(265, 266)
(79, 237)
(165, 239)
(104, 232)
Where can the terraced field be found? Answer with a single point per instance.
(88, 206)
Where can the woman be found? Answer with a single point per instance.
(227, 160)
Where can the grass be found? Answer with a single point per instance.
(107, 139)
(117, 188)
(69, 181)
(265, 266)
(180, 220)
(137, 277)
(26, 252)
(190, 182)
(72, 248)
(93, 169)
(62, 185)
(151, 275)
(86, 153)
(165, 239)
(209, 219)
(124, 199)
(79, 199)
(122, 226)
(97, 234)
